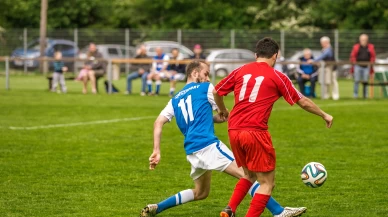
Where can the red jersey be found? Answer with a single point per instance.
(256, 88)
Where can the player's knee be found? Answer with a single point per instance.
(201, 195)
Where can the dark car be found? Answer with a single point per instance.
(68, 49)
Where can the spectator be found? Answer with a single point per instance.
(58, 76)
(330, 79)
(176, 72)
(307, 72)
(362, 52)
(198, 54)
(142, 72)
(159, 65)
(93, 68)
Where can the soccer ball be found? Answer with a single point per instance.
(314, 174)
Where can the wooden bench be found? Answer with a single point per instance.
(68, 77)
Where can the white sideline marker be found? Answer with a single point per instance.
(151, 117)
(81, 123)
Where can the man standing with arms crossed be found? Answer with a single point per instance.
(257, 86)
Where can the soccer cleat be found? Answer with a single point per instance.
(227, 212)
(149, 210)
(292, 212)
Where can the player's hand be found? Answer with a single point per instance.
(224, 114)
(154, 160)
(328, 119)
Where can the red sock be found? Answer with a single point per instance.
(258, 204)
(241, 189)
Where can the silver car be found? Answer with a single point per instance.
(108, 51)
(167, 46)
(381, 58)
(231, 58)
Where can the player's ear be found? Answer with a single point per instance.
(255, 55)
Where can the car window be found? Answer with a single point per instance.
(34, 46)
(228, 56)
(113, 51)
(62, 47)
(246, 56)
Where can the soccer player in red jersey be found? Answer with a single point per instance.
(257, 86)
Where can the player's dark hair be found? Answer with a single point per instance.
(266, 48)
(175, 49)
(195, 65)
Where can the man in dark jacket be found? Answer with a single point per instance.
(141, 72)
(362, 52)
(198, 54)
(307, 72)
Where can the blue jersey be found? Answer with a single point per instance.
(193, 109)
(158, 65)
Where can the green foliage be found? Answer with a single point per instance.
(305, 15)
(102, 169)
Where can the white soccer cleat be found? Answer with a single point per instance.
(292, 212)
(149, 210)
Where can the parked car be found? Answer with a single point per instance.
(167, 46)
(342, 70)
(381, 58)
(68, 49)
(233, 59)
(108, 51)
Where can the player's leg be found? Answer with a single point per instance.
(365, 79)
(313, 81)
(149, 82)
(55, 82)
(143, 83)
(85, 83)
(62, 83)
(158, 83)
(200, 192)
(263, 194)
(357, 77)
(92, 78)
(301, 84)
(172, 82)
(131, 77)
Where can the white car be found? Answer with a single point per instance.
(231, 58)
(167, 46)
(108, 51)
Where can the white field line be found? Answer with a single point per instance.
(151, 117)
(81, 123)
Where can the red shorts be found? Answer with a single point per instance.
(253, 150)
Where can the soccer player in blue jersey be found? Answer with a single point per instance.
(193, 108)
(158, 66)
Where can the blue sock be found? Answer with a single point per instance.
(273, 206)
(172, 90)
(158, 83)
(149, 84)
(175, 200)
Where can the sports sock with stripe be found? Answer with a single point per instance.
(258, 204)
(241, 189)
(273, 206)
(175, 200)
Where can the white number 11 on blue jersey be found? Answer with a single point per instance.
(187, 112)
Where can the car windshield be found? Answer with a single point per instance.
(382, 56)
(34, 46)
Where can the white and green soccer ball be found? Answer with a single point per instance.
(314, 174)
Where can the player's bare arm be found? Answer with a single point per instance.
(222, 110)
(308, 105)
(218, 119)
(155, 156)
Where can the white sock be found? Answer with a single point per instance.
(184, 196)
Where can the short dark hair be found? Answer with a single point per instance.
(194, 66)
(266, 48)
(175, 49)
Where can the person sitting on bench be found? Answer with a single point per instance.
(94, 68)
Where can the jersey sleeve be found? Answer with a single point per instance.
(226, 85)
(168, 111)
(287, 89)
(210, 97)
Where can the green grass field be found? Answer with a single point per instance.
(96, 163)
